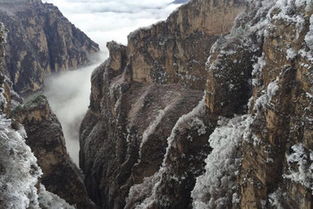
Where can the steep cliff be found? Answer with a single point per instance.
(274, 146)
(176, 50)
(140, 101)
(19, 171)
(46, 140)
(40, 41)
(34, 165)
(246, 144)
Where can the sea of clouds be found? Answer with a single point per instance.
(103, 21)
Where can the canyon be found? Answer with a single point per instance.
(211, 108)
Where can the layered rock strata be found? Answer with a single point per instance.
(41, 41)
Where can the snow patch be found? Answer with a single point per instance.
(291, 54)
(143, 190)
(257, 70)
(300, 166)
(275, 199)
(199, 125)
(265, 99)
(286, 6)
(52, 201)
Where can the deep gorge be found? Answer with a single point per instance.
(211, 108)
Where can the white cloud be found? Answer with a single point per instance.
(105, 20)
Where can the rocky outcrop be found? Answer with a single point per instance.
(275, 141)
(246, 144)
(145, 97)
(124, 134)
(19, 170)
(45, 138)
(20, 173)
(40, 41)
(175, 51)
(282, 106)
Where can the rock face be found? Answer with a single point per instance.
(266, 161)
(22, 171)
(19, 170)
(45, 138)
(282, 109)
(9, 98)
(40, 41)
(175, 51)
(145, 97)
(149, 141)
(128, 130)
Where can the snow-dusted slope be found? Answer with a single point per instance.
(275, 147)
(20, 173)
(19, 169)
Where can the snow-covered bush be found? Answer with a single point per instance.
(216, 188)
(19, 171)
(300, 166)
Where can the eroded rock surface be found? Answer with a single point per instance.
(270, 164)
(246, 144)
(146, 125)
(20, 173)
(128, 130)
(40, 41)
(175, 51)
(46, 140)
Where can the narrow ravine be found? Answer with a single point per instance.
(68, 95)
(103, 21)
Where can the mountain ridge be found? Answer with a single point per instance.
(41, 41)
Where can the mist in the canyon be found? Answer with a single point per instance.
(103, 21)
